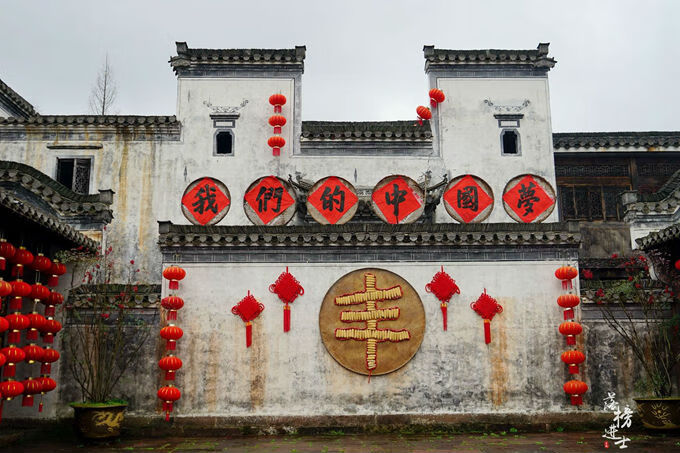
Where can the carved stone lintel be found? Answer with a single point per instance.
(507, 108)
(222, 110)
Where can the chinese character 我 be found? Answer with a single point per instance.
(205, 200)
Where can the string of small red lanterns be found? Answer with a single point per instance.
(288, 289)
(571, 357)
(276, 142)
(444, 288)
(170, 363)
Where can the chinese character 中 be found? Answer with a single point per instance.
(527, 198)
(329, 200)
(269, 193)
(205, 200)
(398, 196)
(468, 198)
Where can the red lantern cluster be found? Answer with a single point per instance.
(248, 309)
(34, 323)
(168, 394)
(288, 289)
(571, 357)
(424, 114)
(276, 142)
(486, 307)
(444, 288)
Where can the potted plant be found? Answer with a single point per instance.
(644, 314)
(102, 340)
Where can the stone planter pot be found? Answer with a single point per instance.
(98, 420)
(659, 413)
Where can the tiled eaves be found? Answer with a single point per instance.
(653, 240)
(187, 57)
(664, 201)
(369, 235)
(19, 103)
(533, 58)
(95, 120)
(366, 130)
(46, 221)
(62, 199)
(577, 140)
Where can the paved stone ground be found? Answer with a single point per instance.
(339, 442)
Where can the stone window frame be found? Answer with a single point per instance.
(76, 157)
(218, 131)
(519, 141)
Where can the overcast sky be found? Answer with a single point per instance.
(618, 61)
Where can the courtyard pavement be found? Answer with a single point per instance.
(339, 442)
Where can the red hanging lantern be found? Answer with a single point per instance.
(570, 329)
(576, 389)
(277, 100)
(57, 270)
(174, 274)
(20, 289)
(31, 387)
(17, 323)
(50, 329)
(7, 251)
(11, 389)
(5, 288)
(486, 307)
(248, 309)
(54, 299)
(3, 360)
(37, 321)
(21, 258)
(39, 292)
(49, 357)
(168, 395)
(4, 324)
(41, 263)
(677, 265)
(443, 287)
(34, 353)
(276, 142)
(288, 289)
(170, 364)
(568, 302)
(277, 122)
(573, 358)
(13, 355)
(172, 303)
(47, 384)
(436, 97)
(171, 334)
(423, 114)
(566, 274)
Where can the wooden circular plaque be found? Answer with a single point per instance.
(528, 199)
(372, 321)
(269, 201)
(398, 199)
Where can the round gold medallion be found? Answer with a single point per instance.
(372, 321)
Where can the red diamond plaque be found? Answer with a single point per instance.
(205, 202)
(332, 199)
(468, 198)
(527, 199)
(396, 200)
(269, 198)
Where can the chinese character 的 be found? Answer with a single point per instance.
(205, 200)
(527, 198)
(269, 193)
(468, 198)
(398, 196)
(330, 199)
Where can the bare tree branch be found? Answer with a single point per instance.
(104, 91)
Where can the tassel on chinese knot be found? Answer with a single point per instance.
(486, 307)
(248, 309)
(443, 287)
(288, 289)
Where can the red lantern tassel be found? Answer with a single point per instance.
(568, 313)
(566, 284)
(18, 270)
(170, 375)
(571, 340)
(445, 314)
(170, 345)
(49, 311)
(174, 284)
(2, 263)
(172, 315)
(249, 334)
(10, 370)
(40, 406)
(53, 281)
(286, 318)
(27, 401)
(277, 129)
(573, 368)
(32, 334)
(277, 109)
(48, 338)
(487, 331)
(576, 400)
(2, 402)
(15, 303)
(45, 368)
(14, 337)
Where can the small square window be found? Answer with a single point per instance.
(75, 174)
(510, 142)
(224, 143)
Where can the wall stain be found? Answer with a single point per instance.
(498, 357)
(258, 365)
(212, 372)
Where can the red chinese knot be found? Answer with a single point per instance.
(288, 289)
(486, 307)
(443, 287)
(248, 309)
